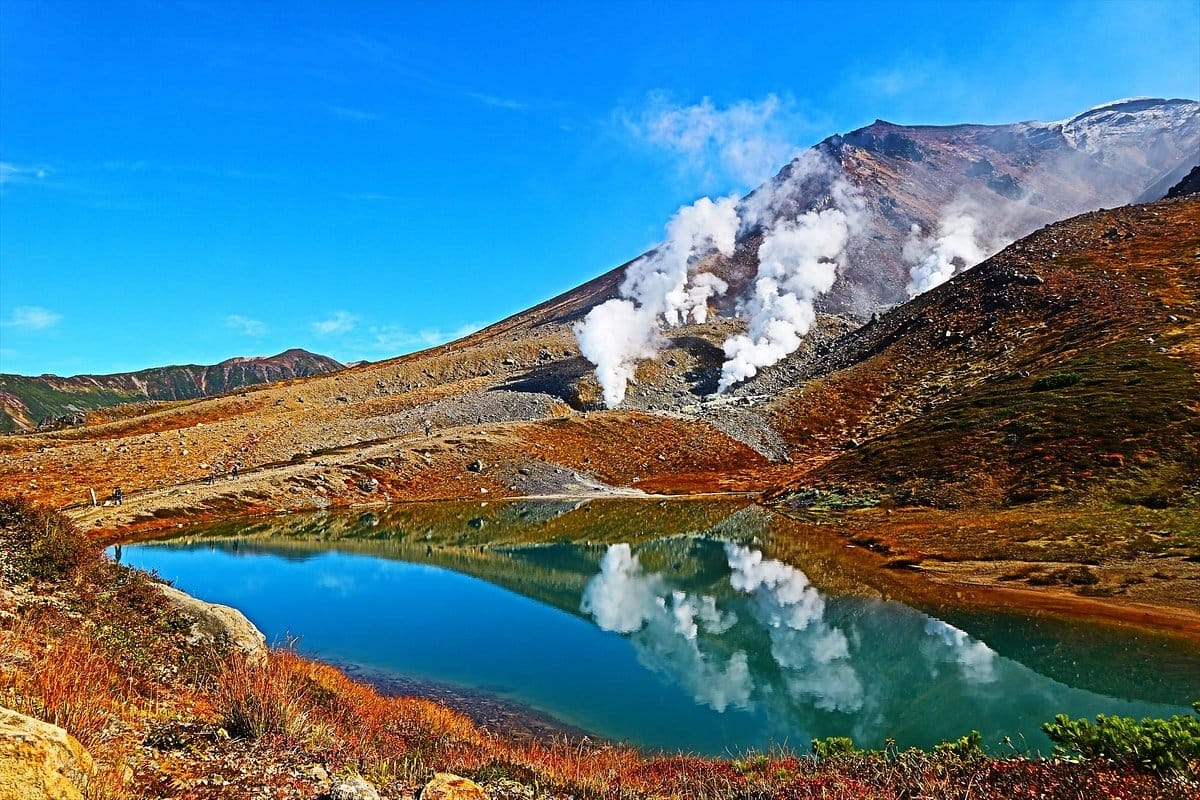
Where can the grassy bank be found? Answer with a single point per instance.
(93, 646)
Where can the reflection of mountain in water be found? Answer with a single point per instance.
(552, 551)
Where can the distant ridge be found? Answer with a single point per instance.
(49, 401)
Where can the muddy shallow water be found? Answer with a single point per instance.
(668, 625)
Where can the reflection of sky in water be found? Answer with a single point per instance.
(717, 648)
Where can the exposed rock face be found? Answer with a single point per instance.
(216, 624)
(1189, 185)
(40, 760)
(353, 788)
(446, 786)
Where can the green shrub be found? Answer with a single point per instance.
(969, 746)
(833, 746)
(1155, 745)
(1056, 380)
(756, 763)
(43, 544)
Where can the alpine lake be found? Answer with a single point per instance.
(669, 625)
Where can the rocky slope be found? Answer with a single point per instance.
(1010, 179)
(50, 401)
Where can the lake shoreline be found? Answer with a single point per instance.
(930, 581)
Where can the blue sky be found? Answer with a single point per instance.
(188, 181)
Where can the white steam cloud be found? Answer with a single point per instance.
(766, 639)
(797, 263)
(619, 333)
(678, 634)
(955, 247)
(977, 660)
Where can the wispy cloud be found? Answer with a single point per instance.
(202, 170)
(355, 114)
(898, 79)
(393, 340)
(15, 173)
(746, 141)
(384, 56)
(368, 197)
(337, 322)
(32, 318)
(498, 102)
(245, 325)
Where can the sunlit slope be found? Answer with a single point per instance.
(1065, 367)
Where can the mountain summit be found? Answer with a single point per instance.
(1008, 179)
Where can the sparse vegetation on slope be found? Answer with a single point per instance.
(89, 645)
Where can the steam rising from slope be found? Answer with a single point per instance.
(615, 335)
(956, 247)
(797, 263)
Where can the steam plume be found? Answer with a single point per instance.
(935, 259)
(615, 335)
(797, 263)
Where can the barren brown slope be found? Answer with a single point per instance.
(1062, 369)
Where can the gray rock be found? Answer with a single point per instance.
(215, 624)
(353, 788)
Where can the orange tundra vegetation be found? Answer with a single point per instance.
(93, 646)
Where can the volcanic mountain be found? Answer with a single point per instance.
(49, 401)
(1011, 179)
(1033, 420)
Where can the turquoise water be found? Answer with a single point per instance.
(696, 642)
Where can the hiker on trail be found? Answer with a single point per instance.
(118, 495)
(428, 426)
(233, 472)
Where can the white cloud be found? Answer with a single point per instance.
(355, 114)
(748, 140)
(12, 173)
(32, 318)
(392, 339)
(497, 102)
(245, 325)
(896, 80)
(337, 322)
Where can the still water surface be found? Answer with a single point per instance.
(665, 626)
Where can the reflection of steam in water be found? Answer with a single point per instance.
(765, 638)
(977, 660)
(666, 628)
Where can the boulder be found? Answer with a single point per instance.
(446, 786)
(218, 625)
(353, 788)
(38, 759)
